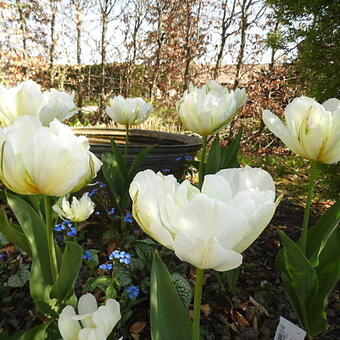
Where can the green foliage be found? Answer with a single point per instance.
(183, 288)
(20, 278)
(169, 318)
(118, 175)
(318, 48)
(309, 279)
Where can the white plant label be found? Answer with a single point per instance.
(286, 330)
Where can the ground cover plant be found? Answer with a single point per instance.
(92, 248)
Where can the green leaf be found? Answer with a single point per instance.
(19, 279)
(214, 157)
(14, 233)
(111, 292)
(36, 333)
(123, 275)
(298, 269)
(231, 276)
(183, 288)
(3, 239)
(229, 153)
(168, 316)
(41, 280)
(101, 282)
(328, 272)
(318, 235)
(120, 158)
(35, 231)
(70, 267)
(138, 161)
(145, 253)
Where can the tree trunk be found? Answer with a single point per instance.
(103, 60)
(53, 4)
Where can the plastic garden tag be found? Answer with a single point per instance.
(286, 330)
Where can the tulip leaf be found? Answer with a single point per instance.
(70, 267)
(35, 231)
(14, 233)
(169, 318)
(231, 276)
(298, 269)
(328, 272)
(318, 235)
(120, 159)
(214, 157)
(36, 333)
(138, 162)
(229, 153)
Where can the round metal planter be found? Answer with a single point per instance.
(169, 154)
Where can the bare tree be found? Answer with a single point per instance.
(105, 7)
(227, 21)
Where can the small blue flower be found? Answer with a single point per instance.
(114, 255)
(128, 218)
(125, 257)
(166, 171)
(106, 267)
(178, 158)
(97, 213)
(102, 185)
(68, 223)
(59, 227)
(112, 211)
(88, 255)
(3, 257)
(132, 291)
(72, 231)
(93, 192)
(188, 158)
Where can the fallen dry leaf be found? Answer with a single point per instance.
(138, 327)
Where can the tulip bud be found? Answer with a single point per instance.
(311, 130)
(129, 111)
(208, 109)
(97, 323)
(208, 228)
(45, 160)
(77, 211)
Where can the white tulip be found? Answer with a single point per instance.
(312, 130)
(207, 228)
(97, 323)
(77, 210)
(129, 111)
(28, 99)
(56, 104)
(208, 109)
(45, 160)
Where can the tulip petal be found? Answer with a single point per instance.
(87, 304)
(275, 125)
(68, 327)
(331, 104)
(215, 186)
(91, 334)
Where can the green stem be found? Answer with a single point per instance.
(197, 304)
(122, 223)
(202, 162)
(50, 238)
(126, 141)
(311, 185)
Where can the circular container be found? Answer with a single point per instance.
(169, 155)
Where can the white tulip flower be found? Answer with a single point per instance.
(128, 111)
(208, 228)
(208, 109)
(312, 130)
(97, 323)
(45, 160)
(28, 99)
(77, 210)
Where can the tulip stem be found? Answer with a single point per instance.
(201, 172)
(50, 238)
(311, 185)
(126, 141)
(197, 304)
